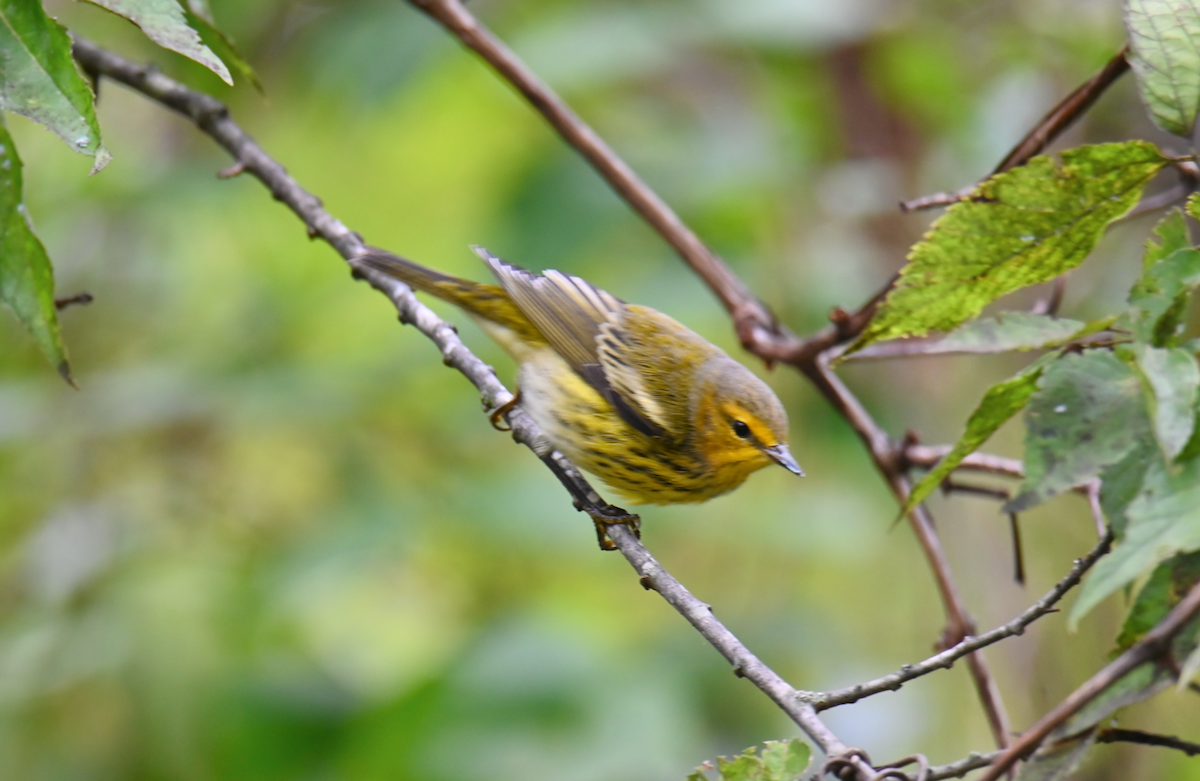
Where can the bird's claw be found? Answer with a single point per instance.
(605, 516)
(496, 416)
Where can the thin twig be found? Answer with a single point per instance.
(958, 769)
(750, 314)
(78, 299)
(212, 117)
(1115, 735)
(1150, 648)
(945, 659)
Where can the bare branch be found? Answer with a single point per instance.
(79, 299)
(946, 659)
(1150, 648)
(958, 769)
(1114, 735)
(751, 316)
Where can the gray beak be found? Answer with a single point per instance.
(782, 456)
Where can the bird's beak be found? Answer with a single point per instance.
(782, 456)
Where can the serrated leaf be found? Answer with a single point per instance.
(1018, 228)
(39, 80)
(1162, 521)
(999, 404)
(1087, 413)
(784, 760)
(1010, 331)
(1174, 377)
(743, 767)
(1164, 36)
(26, 278)
(163, 22)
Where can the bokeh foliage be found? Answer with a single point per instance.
(273, 538)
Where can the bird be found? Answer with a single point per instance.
(658, 413)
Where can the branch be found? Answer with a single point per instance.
(212, 117)
(947, 658)
(752, 317)
(1149, 648)
(1114, 735)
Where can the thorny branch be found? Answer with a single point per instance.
(213, 118)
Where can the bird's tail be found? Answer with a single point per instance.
(488, 302)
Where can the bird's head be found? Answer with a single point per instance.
(739, 422)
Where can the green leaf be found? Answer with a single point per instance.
(1018, 228)
(1162, 520)
(1012, 331)
(39, 80)
(1174, 376)
(785, 760)
(1168, 584)
(1170, 271)
(200, 10)
(781, 760)
(1000, 403)
(1164, 36)
(1088, 413)
(26, 278)
(743, 767)
(163, 22)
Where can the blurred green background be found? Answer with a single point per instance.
(272, 537)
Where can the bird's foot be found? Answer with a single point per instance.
(496, 416)
(606, 515)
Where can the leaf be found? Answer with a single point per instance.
(781, 760)
(26, 278)
(1011, 331)
(163, 22)
(743, 767)
(1000, 403)
(1162, 520)
(785, 760)
(1174, 376)
(1168, 584)
(1088, 413)
(39, 80)
(1170, 271)
(201, 10)
(1165, 39)
(1018, 228)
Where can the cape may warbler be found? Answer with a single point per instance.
(624, 391)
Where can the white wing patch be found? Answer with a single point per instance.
(625, 379)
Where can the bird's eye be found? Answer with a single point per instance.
(741, 429)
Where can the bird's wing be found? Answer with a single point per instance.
(584, 325)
